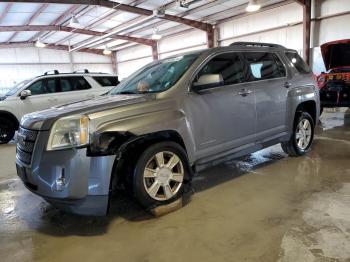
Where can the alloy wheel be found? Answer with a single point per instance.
(303, 134)
(163, 175)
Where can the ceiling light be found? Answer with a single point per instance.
(74, 22)
(39, 44)
(155, 35)
(107, 51)
(253, 6)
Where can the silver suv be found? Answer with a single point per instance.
(165, 122)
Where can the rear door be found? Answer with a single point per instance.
(73, 89)
(267, 76)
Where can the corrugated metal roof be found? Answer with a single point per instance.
(103, 19)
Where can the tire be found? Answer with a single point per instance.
(295, 146)
(7, 130)
(321, 110)
(158, 185)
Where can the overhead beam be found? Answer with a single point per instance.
(50, 46)
(123, 7)
(58, 28)
(31, 19)
(56, 21)
(6, 10)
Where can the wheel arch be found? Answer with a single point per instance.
(10, 116)
(309, 107)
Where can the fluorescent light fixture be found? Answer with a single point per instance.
(74, 22)
(40, 44)
(107, 51)
(155, 35)
(253, 6)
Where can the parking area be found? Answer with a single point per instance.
(263, 207)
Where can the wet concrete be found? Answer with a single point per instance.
(263, 207)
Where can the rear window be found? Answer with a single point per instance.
(298, 62)
(262, 65)
(107, 80)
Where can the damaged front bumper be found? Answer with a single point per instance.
(68, 179)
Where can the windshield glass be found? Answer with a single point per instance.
(15, 88)
(156, 77)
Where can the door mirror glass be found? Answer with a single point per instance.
(207, 81)
(25, 93)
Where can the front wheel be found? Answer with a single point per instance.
(7, 130)
(160, 174)
(302, 137)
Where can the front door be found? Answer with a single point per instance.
(222, 117)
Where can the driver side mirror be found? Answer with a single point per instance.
(25, 93)
(207, 81)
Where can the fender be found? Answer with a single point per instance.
(297, 96)
(114, 134)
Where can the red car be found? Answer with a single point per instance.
(335, 84)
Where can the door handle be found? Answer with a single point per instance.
(52, 99)
(245, 92)
(90, 96)
(287, 84)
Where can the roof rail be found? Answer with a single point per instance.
(257, 44)
(81, 71)
(55, 72)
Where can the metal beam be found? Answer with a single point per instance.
(31, 19)
(56, 21)
(307, 30)
(102, 20)
(123, 7)
(6, 10)
(59, 28)
(50, 46)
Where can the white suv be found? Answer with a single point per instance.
(49, 90)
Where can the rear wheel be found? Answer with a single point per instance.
(160, 174)
(7, 130)
(302, 137)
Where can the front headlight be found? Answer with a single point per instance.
(69, 132)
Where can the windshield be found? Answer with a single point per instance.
(156, 77)
(15, 88)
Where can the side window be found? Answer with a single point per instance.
(79, 83)
(228, 65)
(37, 88)
(262, 65)
(65, 84)
(106, 80)
(51, 85)
(298, 62)
(68, 84)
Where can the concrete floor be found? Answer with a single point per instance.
(264, 207)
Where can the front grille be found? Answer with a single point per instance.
(25, 144)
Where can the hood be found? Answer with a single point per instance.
(42, 120)
(336, 54)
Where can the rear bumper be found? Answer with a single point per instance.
(68, 179)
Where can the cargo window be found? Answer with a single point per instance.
(263, 65)
(298, 62)
(107, 80)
